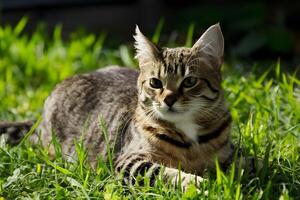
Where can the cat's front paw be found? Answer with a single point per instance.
(187, 179)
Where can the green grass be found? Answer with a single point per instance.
(266, 123)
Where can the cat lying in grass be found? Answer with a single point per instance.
(168, 114)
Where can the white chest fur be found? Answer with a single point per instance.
(189, 128)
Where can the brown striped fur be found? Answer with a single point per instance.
(145, 132)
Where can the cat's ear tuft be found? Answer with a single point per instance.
(146, 51)
(211, 43)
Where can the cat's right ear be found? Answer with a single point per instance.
(146, 51)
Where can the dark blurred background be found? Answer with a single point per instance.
(253, 30)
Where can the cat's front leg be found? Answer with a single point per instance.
(129, 167)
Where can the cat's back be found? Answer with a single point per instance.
(78, 102)
(85, 93)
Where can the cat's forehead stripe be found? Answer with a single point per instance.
(174, 60)
(182, 70)
(158, 73)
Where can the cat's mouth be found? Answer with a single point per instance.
(172, 110)
(166, 111)
(173, 113)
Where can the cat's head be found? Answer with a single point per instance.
(179, 83)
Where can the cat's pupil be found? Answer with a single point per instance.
(189, 82)
(155, 83)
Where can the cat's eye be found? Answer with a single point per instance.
(155, 83)
(189, 82)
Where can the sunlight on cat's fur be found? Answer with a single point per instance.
(170, 113)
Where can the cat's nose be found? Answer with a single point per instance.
(170, 100)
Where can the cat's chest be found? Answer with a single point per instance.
(188, 128)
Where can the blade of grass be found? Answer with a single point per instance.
(190, 33)
(31, 131)
(55, 166)
(103, 128)
(156, 35)
(20, 26)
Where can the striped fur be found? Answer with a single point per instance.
(149, 138)
(14, 130)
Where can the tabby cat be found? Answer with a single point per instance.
(168, 114)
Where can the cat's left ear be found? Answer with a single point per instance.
(211, 44)
(146, 51)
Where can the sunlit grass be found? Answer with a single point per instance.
(265, 110)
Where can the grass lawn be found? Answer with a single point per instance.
(266, 124)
